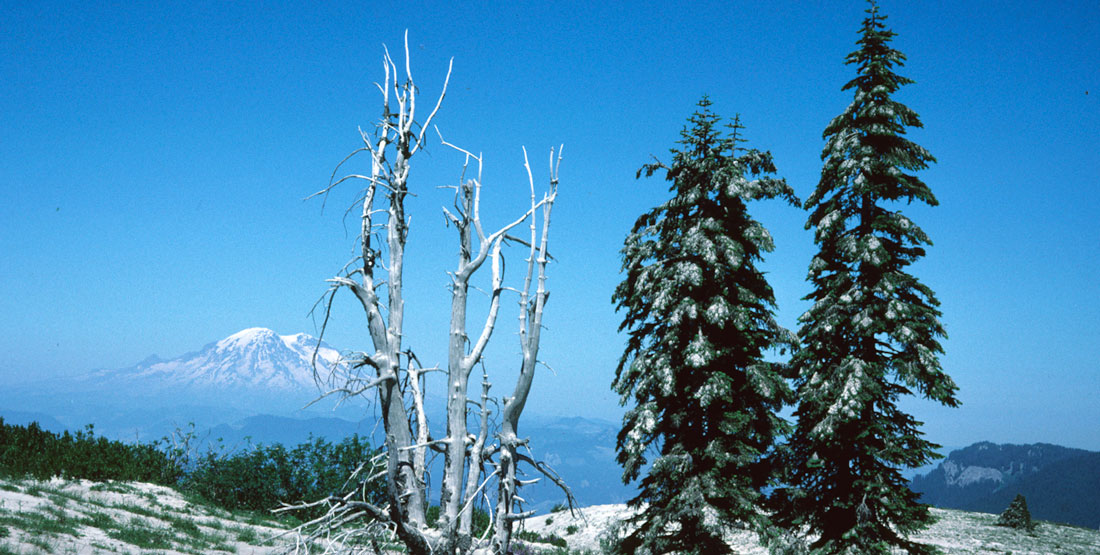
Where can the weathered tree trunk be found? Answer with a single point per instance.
(405, 485)
(394, 370)
(458, 374)
(530, 328)
(460, 362)
(478, 455)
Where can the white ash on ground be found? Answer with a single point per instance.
(955, 532)
(79, 516)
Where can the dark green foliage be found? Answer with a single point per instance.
(260, 478)
(31, 451)
(872, 334)
(139, 534)
(257, 479)
(1017, 515)
(481, 521)
(535, 537)
(699, 315)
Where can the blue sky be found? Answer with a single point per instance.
(153, 162)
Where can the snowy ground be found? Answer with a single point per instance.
(85, 517)
(60, 516)
(956, 532)
(963, 532)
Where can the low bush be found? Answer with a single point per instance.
(535, 537)
(34, 452)
(262, 477)
(255, 479)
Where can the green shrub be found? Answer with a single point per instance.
(262, 477)
(481, 521)
(535, 537)
(34, 452)
(256, 479)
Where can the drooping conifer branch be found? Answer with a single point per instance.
(872, 333)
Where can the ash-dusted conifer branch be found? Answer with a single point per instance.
(698, 312)
(872, 334)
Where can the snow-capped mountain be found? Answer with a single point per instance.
(255, 358)
(254, 371)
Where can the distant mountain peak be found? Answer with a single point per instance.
(256, 359)
(253, 371)
(245, 338)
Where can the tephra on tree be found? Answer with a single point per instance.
(872, 333)
(699, 318)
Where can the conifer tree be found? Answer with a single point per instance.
(1017, 515)
(872, 333)
(700, 317)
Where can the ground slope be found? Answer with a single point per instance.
(61, 516)
(956, 532)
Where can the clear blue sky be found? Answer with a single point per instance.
(153, 162)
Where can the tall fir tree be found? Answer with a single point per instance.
(872, 334)
(699, 314)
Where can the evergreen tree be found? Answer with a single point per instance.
(1017, 515)
(699, 317)
(872, 333)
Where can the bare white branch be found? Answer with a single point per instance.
(393, 376)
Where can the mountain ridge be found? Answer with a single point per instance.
(1061, 484)
(254, 384)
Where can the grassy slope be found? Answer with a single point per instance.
(60, 516)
